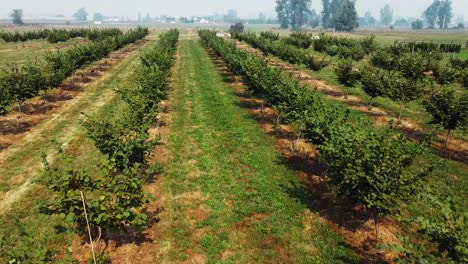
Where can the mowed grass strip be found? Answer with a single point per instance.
(226, 196)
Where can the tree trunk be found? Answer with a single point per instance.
(19, 109)
(399, 114)
(376, 223)
(447, 138)
(278, 119)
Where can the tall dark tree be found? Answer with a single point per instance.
(440, 13)
(299, 10)
(344, 14)
(282, 9)
(326, 14)
(17, 16)
(386, 15)
(292, 13)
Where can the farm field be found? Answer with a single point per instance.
(31, 50)
(189, 148)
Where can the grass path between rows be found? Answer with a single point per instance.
(226, 197)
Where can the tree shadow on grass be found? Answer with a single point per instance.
(313, 190)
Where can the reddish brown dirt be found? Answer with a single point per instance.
(456, 150)
(14, 126)
(353, 223)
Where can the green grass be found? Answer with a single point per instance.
(463, 54)
(389, 37)
(224, 164)
(30, 50)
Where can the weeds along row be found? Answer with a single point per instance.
(375, 167)
(19, 83)
(60, 35)
(111, 198)
(401, 73)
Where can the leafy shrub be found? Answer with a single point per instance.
(316, 64)
(449, 231)
(464, 79)
(445, 74)
(448, 109)
(112, 202)
(300, 40)
(372, 168)
(459, 63)
(345, 73)
(270, 35)
(237, 28)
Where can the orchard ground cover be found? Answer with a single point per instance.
(234, 187)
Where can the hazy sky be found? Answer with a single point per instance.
(202, 7)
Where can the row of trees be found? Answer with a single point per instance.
(378, 168)
(338, 14)
(60, 35)
(111, 199)
(368, 166)
(19, 83)
(283, 50)
(400, 74)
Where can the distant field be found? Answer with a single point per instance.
(30, 50)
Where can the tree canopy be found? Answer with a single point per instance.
(386, 15)
(293, 13)
(340, 15)
(439, 13)
(81, 14)
(98, 17)
(17, 16)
